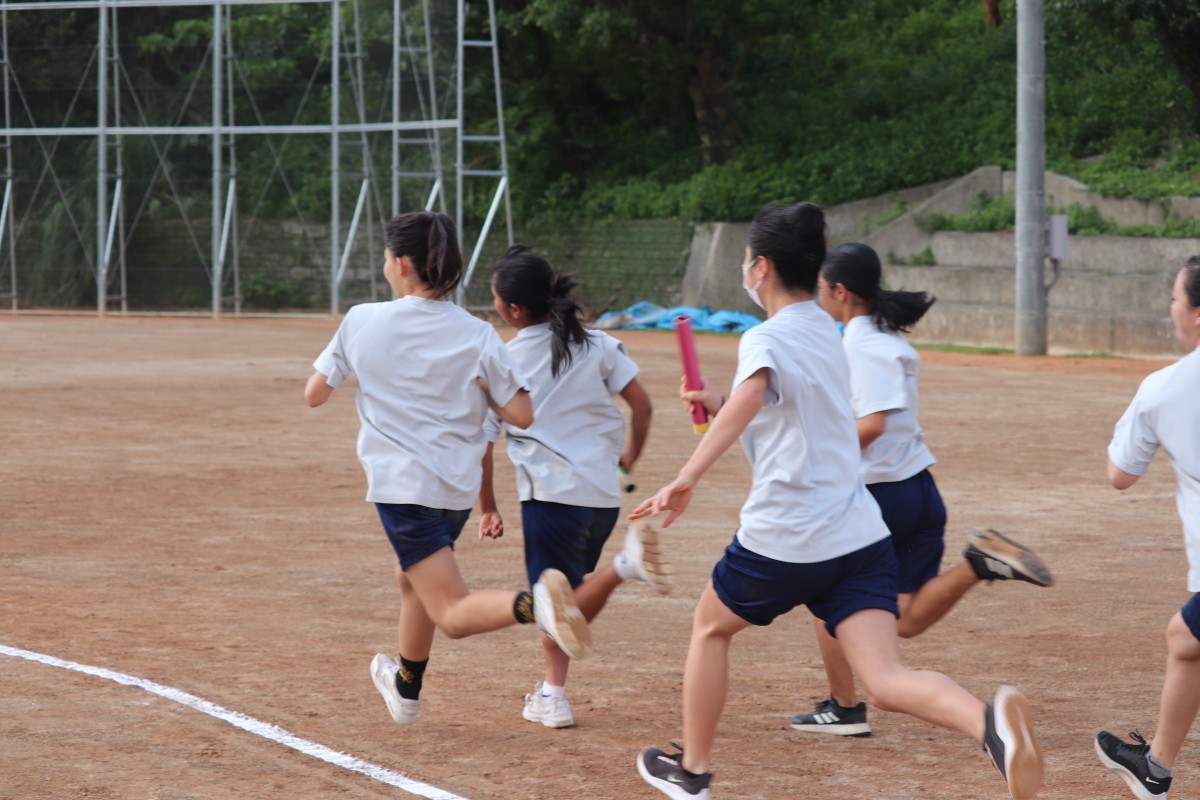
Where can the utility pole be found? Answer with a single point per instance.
(1030, 315)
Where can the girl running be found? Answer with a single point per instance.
(1163, 414)
(427, 374)
(810, 533)
(567, 460)
(895, 466)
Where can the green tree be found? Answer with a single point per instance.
(699, 47)
(1175, 23)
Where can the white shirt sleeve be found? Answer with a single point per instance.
(877, 382)
(617, 368)
(499, 369)
(491, 427)
(754, 354)
(332, 362)
(1134, 441)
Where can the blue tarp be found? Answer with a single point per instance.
(648, 316)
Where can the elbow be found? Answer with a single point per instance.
(1119, 479)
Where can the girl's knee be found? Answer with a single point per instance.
(454, 631)
(1181, 642)
(882, 692)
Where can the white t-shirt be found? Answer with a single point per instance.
(883, 377)
(570, 453)
(1166, 412)
(807, 501)
(419, 363)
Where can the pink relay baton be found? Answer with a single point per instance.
(691, 369)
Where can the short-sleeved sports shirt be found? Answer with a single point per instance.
(570, 453)
(807, 500)
(1165, 413)
(419, 365)
(884, 370)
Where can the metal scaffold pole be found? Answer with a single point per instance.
(426, 63)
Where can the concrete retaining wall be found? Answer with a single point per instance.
(1112, 294)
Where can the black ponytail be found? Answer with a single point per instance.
(429, 240)
(856, 266)
(525, 279)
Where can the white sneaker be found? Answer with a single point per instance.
(383, 673)
(644, 559)
(556, 614)
(553, 712)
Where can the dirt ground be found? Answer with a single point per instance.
(170, 509)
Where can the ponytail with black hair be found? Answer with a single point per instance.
(430, 242)
(1191, 281)
(522, 278)
(856, 267)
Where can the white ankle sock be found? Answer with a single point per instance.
(550, 690)
(621, 565)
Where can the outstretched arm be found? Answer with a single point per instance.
(735, 415)
(317, 390)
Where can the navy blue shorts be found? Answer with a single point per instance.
(1191, 615)
(915, 514)
(759, 589)
(417, 532)
(562, 537)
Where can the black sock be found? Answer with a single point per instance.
(523, 608)
(408, 678)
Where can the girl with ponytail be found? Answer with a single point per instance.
(895, 467)
(809, 532)
(428, 373)
(567, 460)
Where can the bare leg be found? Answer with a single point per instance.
(591, 595)
(416, 628)
(922, 608)
(837, 668)
(706, 677)
(1180, 693)
(458, 612)
(871, 645)
(918, 611)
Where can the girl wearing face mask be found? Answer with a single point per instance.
(809, 533)
(895, 467)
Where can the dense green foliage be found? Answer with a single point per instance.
(837, 101)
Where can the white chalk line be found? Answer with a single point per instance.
(250, 724)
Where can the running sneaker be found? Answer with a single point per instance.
(556, 614)
(664, 771)
(995, 557)
(383, 673)
(553, 712)
(1131, 762)
(829, 717)
(644, 558)
(1009, 740)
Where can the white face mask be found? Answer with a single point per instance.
(752, 290)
